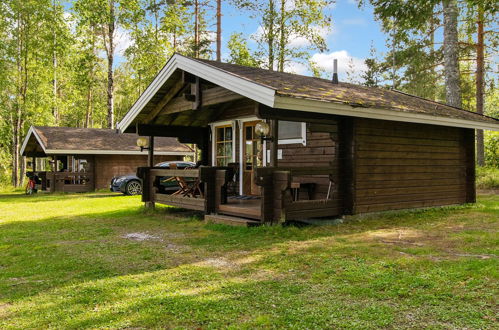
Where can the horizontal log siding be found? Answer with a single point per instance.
(404, 165)
(320, 151)
(108, 166)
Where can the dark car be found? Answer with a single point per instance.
(132, 185)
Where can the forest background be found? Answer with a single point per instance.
(64, 63)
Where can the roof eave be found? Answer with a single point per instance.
(115, 152)
(317, 106)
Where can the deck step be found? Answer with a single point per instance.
(229, 220)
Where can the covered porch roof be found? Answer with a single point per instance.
(185, 86)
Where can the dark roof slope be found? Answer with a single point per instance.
(298, 86)
(71, 138)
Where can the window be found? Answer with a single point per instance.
(223, 145)
(292, 132)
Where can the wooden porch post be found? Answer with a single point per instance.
(274, 130)
(148, 181)
(34, 164)
(150, 152)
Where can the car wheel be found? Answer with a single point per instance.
(133, 188)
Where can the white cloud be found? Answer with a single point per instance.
(325, 62)
(122, 41)
(295, 67)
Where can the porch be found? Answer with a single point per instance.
(71, 182)
(280, 198)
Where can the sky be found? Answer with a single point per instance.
(353, 32)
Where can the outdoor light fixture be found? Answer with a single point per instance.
(262, 129)
(143, 143)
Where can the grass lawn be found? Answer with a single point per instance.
(77, 261)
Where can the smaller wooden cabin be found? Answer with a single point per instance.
(69, 159)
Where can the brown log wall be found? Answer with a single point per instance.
(405, 165)
(108, 166)
(320, 151)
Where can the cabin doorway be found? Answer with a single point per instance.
(252, 158)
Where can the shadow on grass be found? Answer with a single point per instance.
(47, 197)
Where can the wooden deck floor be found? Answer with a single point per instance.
(240, 207)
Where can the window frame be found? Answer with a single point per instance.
(302, 140)
(214, 126)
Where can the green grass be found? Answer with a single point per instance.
(487, 177)
(64, 263)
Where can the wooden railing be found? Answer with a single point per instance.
(277, 203)
(68, 181)
(209, 184)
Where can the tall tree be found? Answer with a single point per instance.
(239, 51)
(285, 22)
(219, 30)
(451, 54)
(108, 16)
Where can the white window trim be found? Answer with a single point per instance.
(213, 126)
(302, 140)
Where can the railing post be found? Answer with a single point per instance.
(264, 180)
(220, 188)
(208, 177)
(281, 182)
(144, 173)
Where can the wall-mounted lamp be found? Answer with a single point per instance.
(143, 143)
(262, 129)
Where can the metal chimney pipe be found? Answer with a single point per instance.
(335, 71)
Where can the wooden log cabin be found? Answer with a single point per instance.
(277, 147)
(68, 159)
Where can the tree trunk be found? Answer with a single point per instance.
(110, 60)
(219, 30)
(270, 37)
(55, 110)
(282, 37)
(15, 157)
(196, 28)
(451, 54)
(479, 83)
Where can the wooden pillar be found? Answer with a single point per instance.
(468, 143)
(148, 181)
(34, 164)
(346, 164)
(150, 152)
(274, 145)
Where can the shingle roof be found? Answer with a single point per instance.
(305, 87)
(89, 139)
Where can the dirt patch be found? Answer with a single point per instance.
(140, 237)
(217, 263)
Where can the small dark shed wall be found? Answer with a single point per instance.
(108, 166)
(404, 165)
